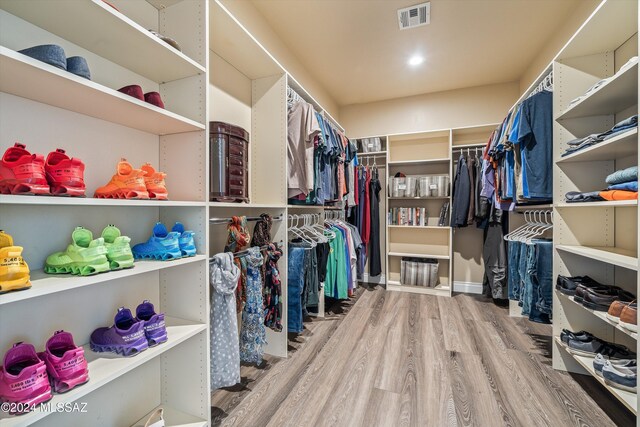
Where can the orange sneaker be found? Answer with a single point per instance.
(127, 183)
(156, 187)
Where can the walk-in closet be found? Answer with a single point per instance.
(336, 213)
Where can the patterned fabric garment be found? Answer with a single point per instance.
(252, 332)
(262, 237)
(272, 290)
(237, 241)
(225, 354)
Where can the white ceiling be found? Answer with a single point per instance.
(356, 51)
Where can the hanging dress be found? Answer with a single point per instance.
(225, 355)
(252, 332)
(375, 265)
(237, 240)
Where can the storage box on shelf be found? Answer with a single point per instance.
(598, 239)
(97, 124)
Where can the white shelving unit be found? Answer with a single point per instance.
(248, 87)
(420, 153)
(597, 239)
(94, 122)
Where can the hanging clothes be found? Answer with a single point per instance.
(272, 291)
(336, 285)
(225, 347)
(375, 265)
(238, 240)
(471, 167)
(302, 127)
(494, 255)
(461, 190)
(295, 287)
(530, 278)
(252, 332)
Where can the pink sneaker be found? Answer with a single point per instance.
(22, 172)
(23, 377)
(65, 362)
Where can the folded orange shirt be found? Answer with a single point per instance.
(619, 195)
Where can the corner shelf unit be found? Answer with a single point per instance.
(94, 122)
(598, 239)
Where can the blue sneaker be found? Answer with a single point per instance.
(620, 377)
(162, 245)
(187, 244)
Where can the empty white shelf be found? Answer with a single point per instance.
(45, 284)
(623, 145)
(92, 25)
(173, 418)
(421, 227)
(628, 398)
(417, 162)
(605, 204)
(373, 153)
(29, 78)
(619, 93)
(7, 199)
(440, 290)
(106, 367)
(420, 198)
(414, 255)
(610, 255)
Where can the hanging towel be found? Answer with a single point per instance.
(253, 333)
(225, 355)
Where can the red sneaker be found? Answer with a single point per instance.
(22, 172)
(64, 174)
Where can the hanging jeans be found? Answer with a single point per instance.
(536, 294)
(544, 276)
(295, 287)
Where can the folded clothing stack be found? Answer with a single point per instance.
(593, 139)
(622, 185)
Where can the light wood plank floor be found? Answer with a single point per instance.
(396, 359)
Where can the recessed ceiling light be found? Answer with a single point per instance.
(416, 60)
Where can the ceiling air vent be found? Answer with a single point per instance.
(414, 16)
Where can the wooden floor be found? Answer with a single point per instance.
(399, 359)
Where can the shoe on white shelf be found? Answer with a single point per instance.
(156, 419)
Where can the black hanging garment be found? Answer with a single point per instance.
(375, 265)
(494, 255)
(461, 195)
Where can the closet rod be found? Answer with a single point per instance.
(249, 218)
(245, 252)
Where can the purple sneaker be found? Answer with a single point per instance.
(125, 337)
(154, 326)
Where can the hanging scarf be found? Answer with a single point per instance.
(237, 240)
(253, 333)
(272, 291)
(262, 237)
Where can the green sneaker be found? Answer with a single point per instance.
(83, 257)
(118, 248)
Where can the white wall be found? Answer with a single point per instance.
(440, 110)
(257, 25)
